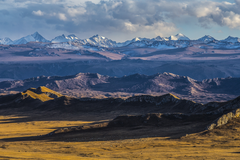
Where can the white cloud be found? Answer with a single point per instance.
(203, 11)
(116, 4)
(128, 17)
(221, 13)
(38, 13)
(130, 27)
(232, 20)
(159, 28)
(164, 29)
(62, 16)
(73, 12)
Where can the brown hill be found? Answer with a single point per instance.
(99, 86)
(152, 115)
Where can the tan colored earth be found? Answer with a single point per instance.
(19, 141)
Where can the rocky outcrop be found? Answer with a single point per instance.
(158, 100)
(224, 119)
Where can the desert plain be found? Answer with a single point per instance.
(20, 136)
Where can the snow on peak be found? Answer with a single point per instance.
(6, 41)
(38, 38)
(60, 39)
(136, 39)
(35, 37)
(206, 39)
(97, 38)
(175, 41)
(170, 74)
(179, 36)
(99, 41)
(232, 39)
(72, 37)
(159, 38)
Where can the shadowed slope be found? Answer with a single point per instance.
(96, 85)
(146, 115)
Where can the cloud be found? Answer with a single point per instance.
(62, 16)
(232, 20)
(237, 2)
(222, 14)
(155, 17)
(38, 13)
(75, 11)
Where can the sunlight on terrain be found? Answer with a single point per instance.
(143, 148)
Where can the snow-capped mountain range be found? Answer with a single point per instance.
(207, 39)
(63, 38)
(5, 41)
(177, 41)
(232, 39)
(179, 36)
(100, 41)
(35, 37)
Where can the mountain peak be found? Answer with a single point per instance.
(38, 37)
(35, 37)
(63, 38)
(94, 36)
(98, 37)
(206, 39)
(100, 41)
(60, 39)
(72, 37)
(6, 41)
(232, 39)
(159, 38)
(137, 39)
(35, 33)
(179, 36)
(207, 36)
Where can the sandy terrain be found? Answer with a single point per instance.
(205, 146)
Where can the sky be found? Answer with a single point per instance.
(120, 20)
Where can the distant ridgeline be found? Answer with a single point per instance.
(176, 41)
(100, 86)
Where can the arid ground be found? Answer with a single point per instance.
(20, 139)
